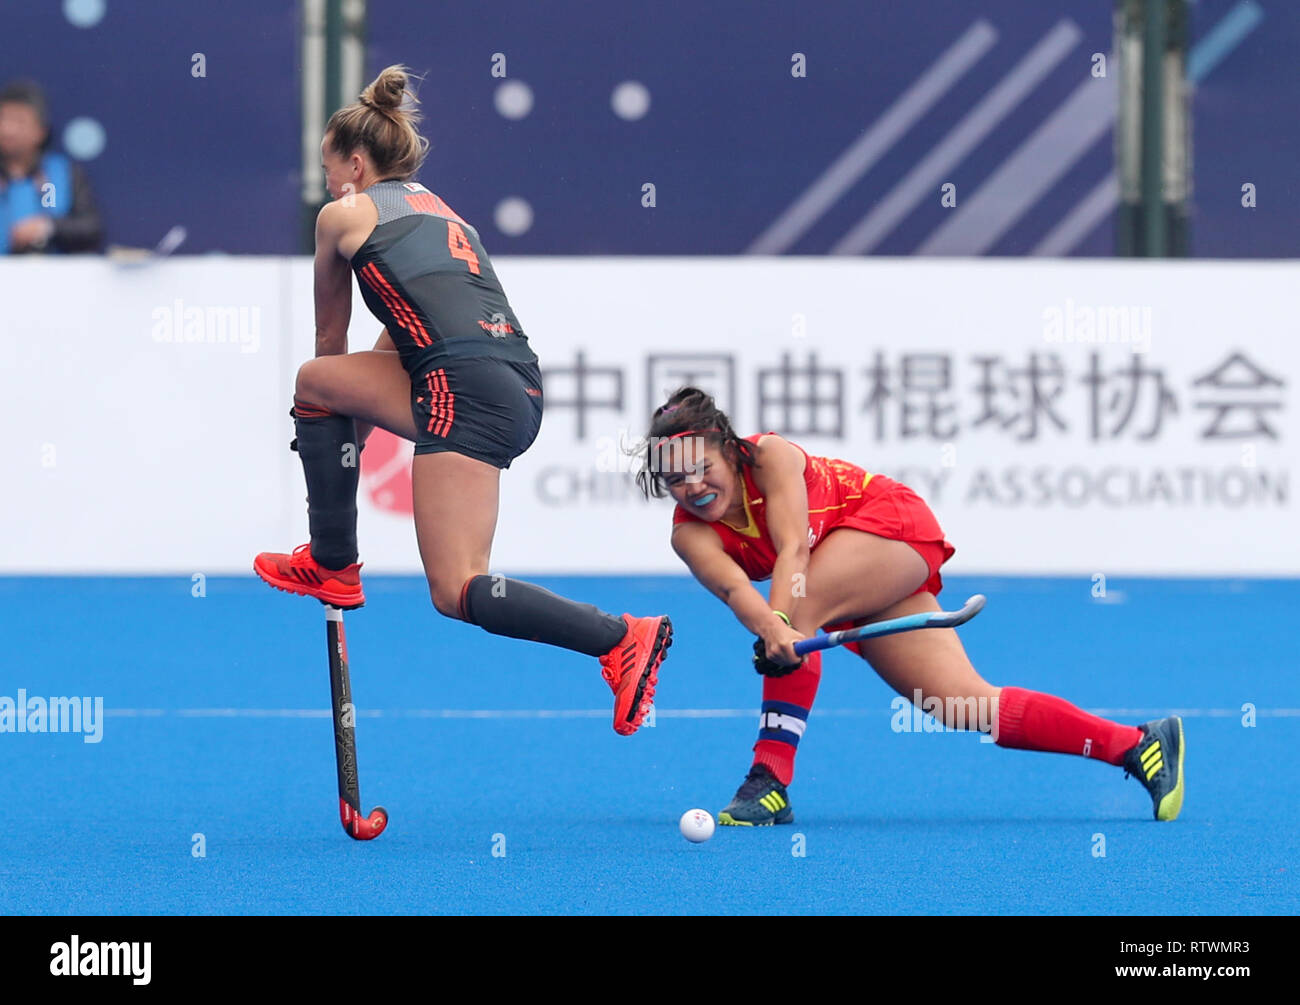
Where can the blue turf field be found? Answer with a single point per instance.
(217, 724)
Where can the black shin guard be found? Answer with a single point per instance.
(523, 611)
(330, 455)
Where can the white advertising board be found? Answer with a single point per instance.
(1060, 417)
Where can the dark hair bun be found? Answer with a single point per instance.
(386, 90)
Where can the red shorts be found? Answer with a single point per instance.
(890, 509)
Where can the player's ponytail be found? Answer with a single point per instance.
(382, 121)
(687, 412)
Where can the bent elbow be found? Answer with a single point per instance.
(799, 552)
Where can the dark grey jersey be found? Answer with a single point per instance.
(425, 275)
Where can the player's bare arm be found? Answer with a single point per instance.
(779, 475)
(332, 282)
(716, 571)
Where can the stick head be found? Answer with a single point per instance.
(359, 827)
(971, 608)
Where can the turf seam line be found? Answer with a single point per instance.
(597, 713)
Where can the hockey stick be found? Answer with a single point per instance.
(363, 828)
(907, 623)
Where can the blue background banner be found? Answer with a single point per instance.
(995, 97)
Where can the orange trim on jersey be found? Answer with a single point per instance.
(394, 308)
(427, 202)
(402, 311)
(400, 308)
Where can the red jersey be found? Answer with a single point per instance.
(836, 490)
(840, 494)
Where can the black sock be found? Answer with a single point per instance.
(327, 444)
(523, 611)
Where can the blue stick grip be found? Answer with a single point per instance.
(907, 623)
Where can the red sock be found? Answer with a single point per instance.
(786, 703)
(1030, 720)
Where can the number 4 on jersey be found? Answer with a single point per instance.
(460, 246)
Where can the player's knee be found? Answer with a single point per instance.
(446, 598)
(455, 594)
(448, 594)
(311, 385)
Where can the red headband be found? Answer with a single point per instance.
(691, 432)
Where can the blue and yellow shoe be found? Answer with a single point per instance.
(760, 801)
(1157, 762)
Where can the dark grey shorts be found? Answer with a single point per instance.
(483, 407)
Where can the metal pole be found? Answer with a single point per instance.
(1153, 106)
(312, 15)
(333, 57)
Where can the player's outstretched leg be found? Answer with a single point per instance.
(1029, 720)
(933, 664)
(931, 668)
(456, 501)
(630, 649)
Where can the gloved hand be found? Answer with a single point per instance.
(768, 667)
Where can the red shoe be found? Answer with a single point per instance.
(301, 574)
(631, 669)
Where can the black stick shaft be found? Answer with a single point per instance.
(345, 743)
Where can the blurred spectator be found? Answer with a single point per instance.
(46, 204)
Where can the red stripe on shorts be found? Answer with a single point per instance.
(442, 403)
